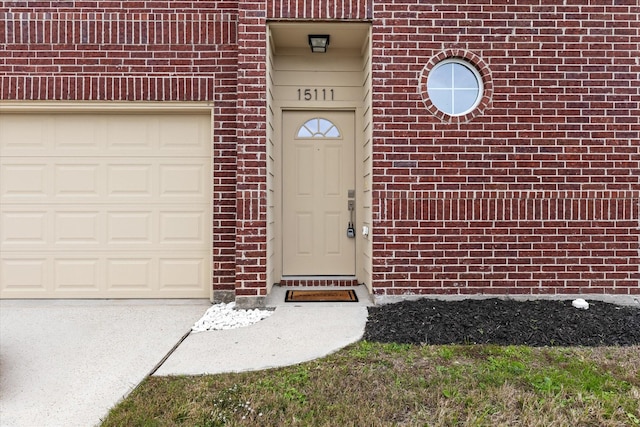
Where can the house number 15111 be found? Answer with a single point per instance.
(315, 94)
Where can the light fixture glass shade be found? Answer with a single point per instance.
(318, 42)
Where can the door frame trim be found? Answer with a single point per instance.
(281, 95)
(275, 189)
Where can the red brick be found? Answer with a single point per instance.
(537, 191)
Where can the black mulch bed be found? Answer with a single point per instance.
(504, 322)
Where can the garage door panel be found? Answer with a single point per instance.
(131, 275)
(77, 227)
(129, 180)
(134, 134)
(182, 273)
(184, 134)
(76, 274)
(134, 273)
(156, 179)
(76, 180)
(130, 227)
(24, 276)
(81, 227)
(75, 134)
(23, 180)
(105, 206)
(183, 228)
(24, 227)
(183, 179)
(24, 134)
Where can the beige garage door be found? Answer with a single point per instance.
(107, 205)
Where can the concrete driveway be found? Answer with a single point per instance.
(66, 363)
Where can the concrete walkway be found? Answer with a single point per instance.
(66, 363)
(295, 333)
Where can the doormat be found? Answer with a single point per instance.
(340, 295)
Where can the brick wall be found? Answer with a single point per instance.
(251, 194)
(536, 193)
(134, 51)
(319, 9)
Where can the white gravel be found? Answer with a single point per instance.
(225, 316)
(580, 303)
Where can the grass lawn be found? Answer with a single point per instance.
(371, 384)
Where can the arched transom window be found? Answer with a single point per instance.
(318, 128)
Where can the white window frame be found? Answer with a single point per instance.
(314, 128)
(434, 99)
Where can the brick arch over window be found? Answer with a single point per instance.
(483, 70)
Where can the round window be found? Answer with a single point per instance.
(454, 87)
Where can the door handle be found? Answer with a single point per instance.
(351, 206)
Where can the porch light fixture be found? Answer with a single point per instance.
(319, 42)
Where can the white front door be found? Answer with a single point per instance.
(318, 182)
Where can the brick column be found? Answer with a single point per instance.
(251, 189)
